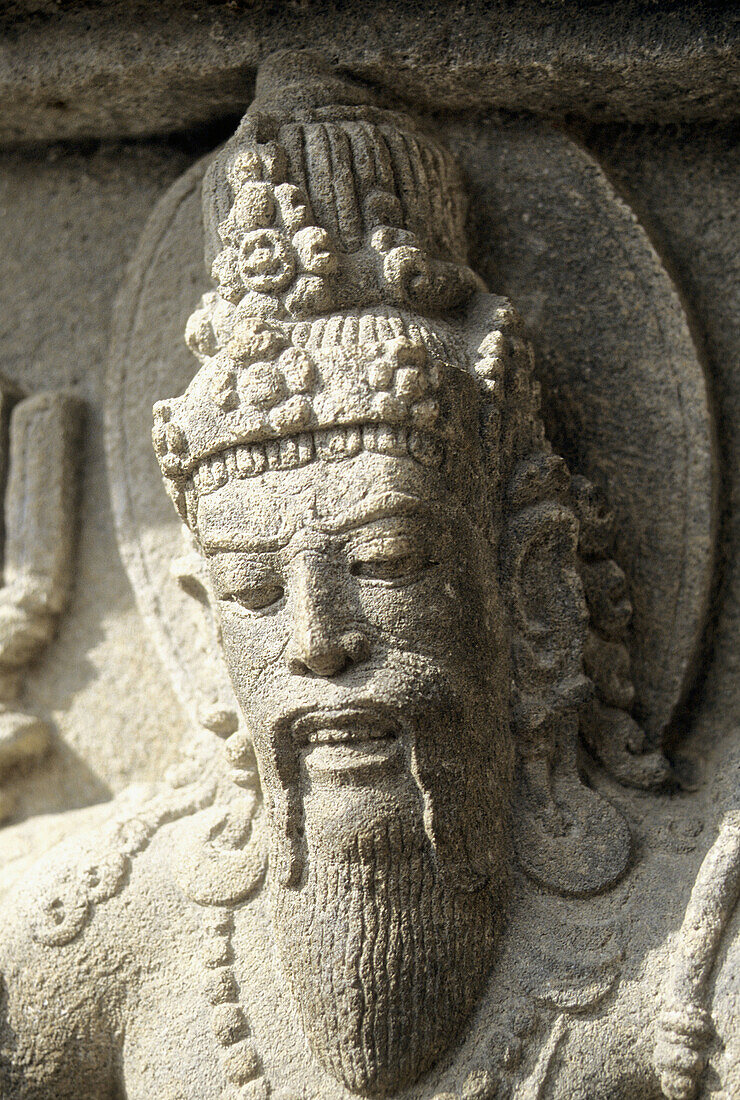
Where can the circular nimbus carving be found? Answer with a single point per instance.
(625, 396)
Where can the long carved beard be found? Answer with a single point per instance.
(385, 959)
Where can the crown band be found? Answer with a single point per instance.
(328, 445)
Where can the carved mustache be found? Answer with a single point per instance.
(409, 688)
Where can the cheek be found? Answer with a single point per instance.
(251, 647)
(441, 615)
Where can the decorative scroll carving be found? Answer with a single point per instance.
(66, 900)
(39, 527)
(606, 723)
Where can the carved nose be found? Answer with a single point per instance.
(321, 644)
(313, 651)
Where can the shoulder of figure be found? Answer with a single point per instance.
(62, 892)
(65, 943)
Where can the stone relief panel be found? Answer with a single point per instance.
(437, 575)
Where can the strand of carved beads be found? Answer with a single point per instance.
(240, 1062)
(681, 1052)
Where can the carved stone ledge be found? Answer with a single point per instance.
(114, 67)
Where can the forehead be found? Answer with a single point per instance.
(326, 494)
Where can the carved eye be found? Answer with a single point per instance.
(257, 597)
(399, 569)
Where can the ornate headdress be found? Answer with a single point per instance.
(323, 201)
(335, 231)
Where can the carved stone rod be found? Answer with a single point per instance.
(685, 1024)
(39, 535)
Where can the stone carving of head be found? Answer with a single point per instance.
(390, 545)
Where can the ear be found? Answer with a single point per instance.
(568, 837)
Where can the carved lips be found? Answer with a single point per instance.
(363, 738)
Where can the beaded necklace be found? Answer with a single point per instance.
(240, 1062)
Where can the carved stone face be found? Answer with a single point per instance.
(363, 631)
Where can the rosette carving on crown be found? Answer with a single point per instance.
(315, 206)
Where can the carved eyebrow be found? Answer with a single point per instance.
(235, 538)
(239, 541)
(378, 506)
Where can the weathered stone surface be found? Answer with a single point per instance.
(625, 401)
(257, 925)
(72, 220)
(85, 69)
